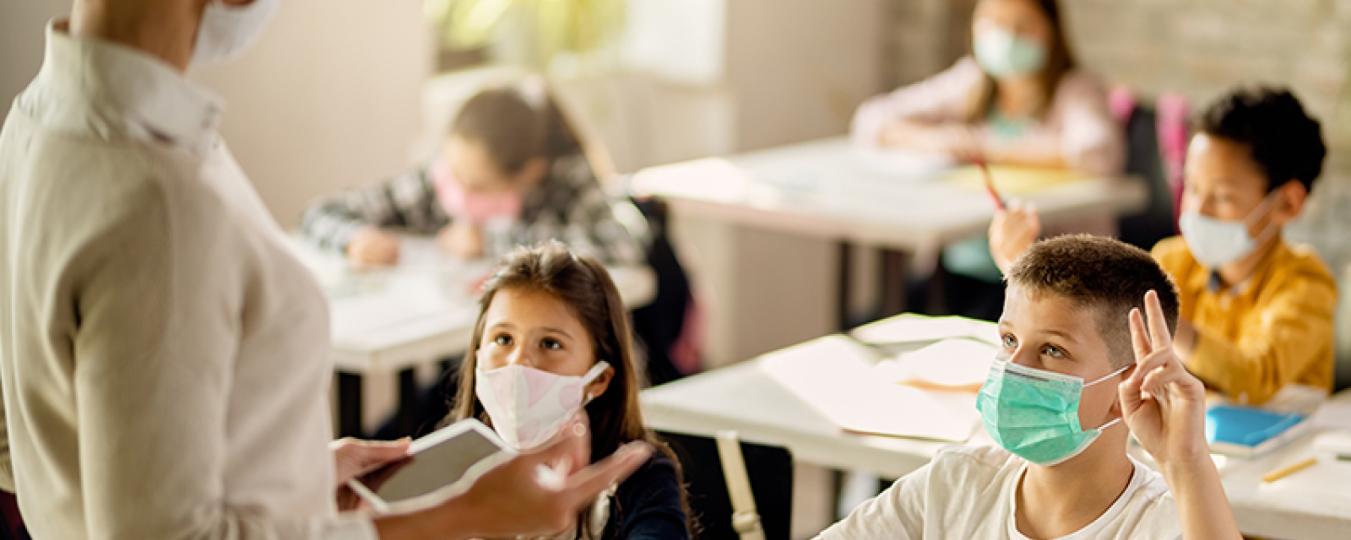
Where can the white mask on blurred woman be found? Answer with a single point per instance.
(228, 30)
(1003, 54)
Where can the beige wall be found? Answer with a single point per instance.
(329, 97)
(796, 70)
(799, 67)
(21, 42)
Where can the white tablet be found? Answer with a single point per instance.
(444, 462)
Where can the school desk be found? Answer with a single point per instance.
(1312, 503)
(908, 205)
(419, 312)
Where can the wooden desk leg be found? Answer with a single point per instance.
(410, 398)
(837, 477)
(349, 405)
(895, 274)
(844, 286)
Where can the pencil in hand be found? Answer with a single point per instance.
(989, 184)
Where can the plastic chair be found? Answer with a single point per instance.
(1156, 147)
(770, 470)
(662, 324)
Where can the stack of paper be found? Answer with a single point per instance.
(911, 328)
(959, 365)
(838, 377)
(1014, 180)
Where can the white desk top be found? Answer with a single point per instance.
(744, 398)
(1314, 503)
(420, 311)
(832, 189)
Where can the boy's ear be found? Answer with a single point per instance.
(1289, 202)
(1115, 409)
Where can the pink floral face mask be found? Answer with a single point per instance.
(529, 406)
(476, 208)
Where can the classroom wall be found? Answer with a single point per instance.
(21, 43)
(796, 70)
(800, 67)
(329, 98)
(1203, 47)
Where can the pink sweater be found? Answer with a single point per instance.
(1078, 124)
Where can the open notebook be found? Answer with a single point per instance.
(926, 394)
(1015, 180)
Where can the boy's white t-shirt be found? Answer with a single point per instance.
(970, 492)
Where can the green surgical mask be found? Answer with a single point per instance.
(1004, 54)
(1034, 413)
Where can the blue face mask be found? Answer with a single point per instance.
(1034, 413)
(1004, 54)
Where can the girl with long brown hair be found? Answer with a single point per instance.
(1019, 98)
(553, 338)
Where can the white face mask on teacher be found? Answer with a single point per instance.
(226, 30)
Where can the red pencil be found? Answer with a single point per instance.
(989, 184)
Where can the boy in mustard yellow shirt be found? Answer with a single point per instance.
(1256, 313)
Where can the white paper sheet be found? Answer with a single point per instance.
(840, 382)
(951, 363)
(919, 328)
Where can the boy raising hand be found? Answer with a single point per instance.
(1080, 368)
(1165, 408)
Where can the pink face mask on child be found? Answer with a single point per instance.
(477, 208)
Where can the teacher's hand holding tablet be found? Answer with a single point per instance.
(535, 492)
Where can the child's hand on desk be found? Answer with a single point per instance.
(461, 239)
(1163, 404)
(952, 139)
(373, 247)
(1013, 231)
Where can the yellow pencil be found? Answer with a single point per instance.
(1289, 470)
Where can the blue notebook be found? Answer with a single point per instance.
(1247, 431)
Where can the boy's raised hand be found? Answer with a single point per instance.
(1165, 408)
(1163, 404)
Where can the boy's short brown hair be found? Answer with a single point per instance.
(1102, 273)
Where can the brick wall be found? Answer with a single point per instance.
(1198, 48)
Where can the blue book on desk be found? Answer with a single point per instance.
(1246, 431)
